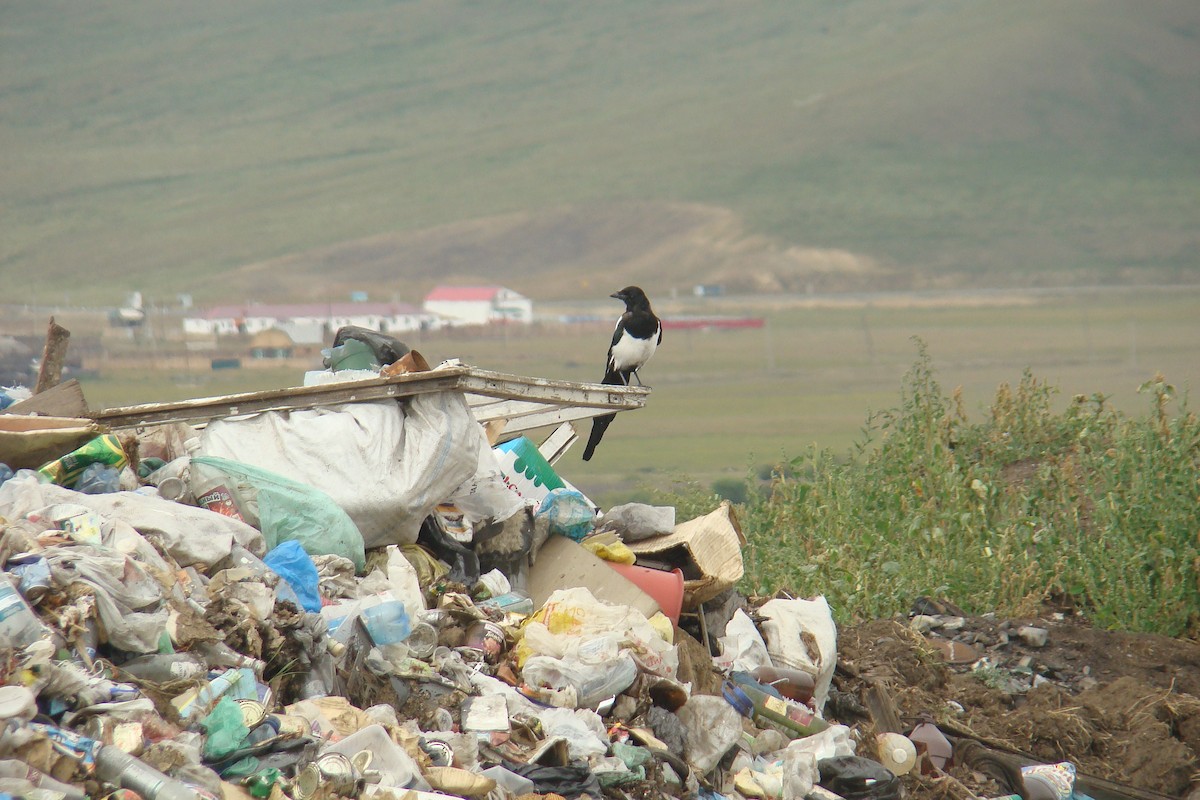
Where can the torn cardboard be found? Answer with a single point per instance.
(27, 442)
(708, 549)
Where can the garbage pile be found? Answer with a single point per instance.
(374, 600)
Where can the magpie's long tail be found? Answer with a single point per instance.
(600, 424)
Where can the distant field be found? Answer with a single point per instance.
(726, 403)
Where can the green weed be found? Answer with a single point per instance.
(997, 515)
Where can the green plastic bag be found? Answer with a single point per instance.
(285, 510)
(225, 729)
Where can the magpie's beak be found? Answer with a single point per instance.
(617, 295)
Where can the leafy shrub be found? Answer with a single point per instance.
(997, 515)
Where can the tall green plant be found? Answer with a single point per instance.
(996, 515)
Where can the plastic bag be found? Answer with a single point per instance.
(225, 728)
(584, 731)
(386, 464)
(637, 521)
(290, 562)
(788, 626)
(386, 349)
(713, 726)
(570, 619)
(589, 684)
(568, 512)
(742, 646)
(284, 509)
(858, 778)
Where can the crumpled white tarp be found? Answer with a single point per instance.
(192, 536)
(386, 463)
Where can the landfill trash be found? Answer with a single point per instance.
(637, 521)
(217, 632)
(858, 778)
(567, 512)
(104, 450)
(896, 752)
(1049, 781)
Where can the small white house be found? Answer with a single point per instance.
(479, 305)
(308, 323)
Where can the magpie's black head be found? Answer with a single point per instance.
(633, 297)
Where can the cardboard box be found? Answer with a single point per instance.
(564, 564)
(708, 549)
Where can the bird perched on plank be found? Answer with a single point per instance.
(637, 336)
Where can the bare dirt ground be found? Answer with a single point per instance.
(1124, 708)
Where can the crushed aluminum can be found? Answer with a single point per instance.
(487, 638)
(253, 712)
(339, 774)
(33, 573)
(440, 753)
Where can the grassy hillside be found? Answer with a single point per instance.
(165, 146)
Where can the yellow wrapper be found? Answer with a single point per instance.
(104, 449)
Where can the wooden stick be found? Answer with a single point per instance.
(53, 356)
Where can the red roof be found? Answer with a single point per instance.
(463, 293)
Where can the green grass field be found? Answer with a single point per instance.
(726, 403)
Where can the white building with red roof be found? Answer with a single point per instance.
(479, 305)
(309, 323)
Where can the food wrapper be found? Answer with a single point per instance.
(66, 470)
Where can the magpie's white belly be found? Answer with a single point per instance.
(631, 353)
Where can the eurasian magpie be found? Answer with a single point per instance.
(637, 336)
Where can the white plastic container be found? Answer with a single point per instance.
(896, 752)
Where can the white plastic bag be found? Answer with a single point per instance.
(788, 625)
(584, 731)
(713, 726)
(742, 647)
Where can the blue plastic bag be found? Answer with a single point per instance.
(568, 512)
(290, 562)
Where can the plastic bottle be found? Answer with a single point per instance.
(165, 667)
(791, 718)
(98, 479)
(794, 684)
(118, 767)
(509, 603)
(896, 752)
(219, 654)
(18, 623)
(213, 491)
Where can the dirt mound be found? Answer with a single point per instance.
(550, 254)
(1123, 708)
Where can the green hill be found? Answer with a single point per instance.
(792, 144)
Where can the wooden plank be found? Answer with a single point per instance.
(53, 355)
(203, 409)
(64, 400)
(883, 709)
(539, 395)
(558, 442)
